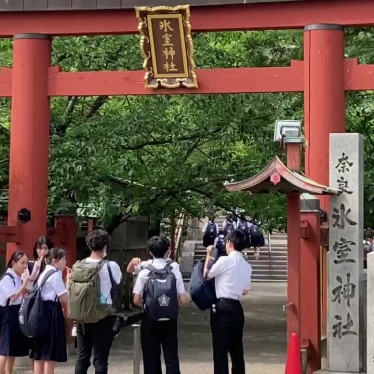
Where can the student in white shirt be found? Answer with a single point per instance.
(159, 333)
(232, 276)
(12, 286)
(51, 348)
(98, 336)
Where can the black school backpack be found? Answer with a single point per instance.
(32, 316)
(220, 246)
(211, 230)
(229, 227)
(255, 231)
(202, 291)
(160, 294)
(243, 227)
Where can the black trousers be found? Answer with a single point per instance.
(157, 334)
(98, 336)
(227, 324)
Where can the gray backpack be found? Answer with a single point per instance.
(160, 294)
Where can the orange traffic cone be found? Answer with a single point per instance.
(293, 364)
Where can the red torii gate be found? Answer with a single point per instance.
(323, 77)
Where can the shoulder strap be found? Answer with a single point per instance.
(14, 282)
(102, 263)
(47, 275)
(9, 275)
(150, 267)
(168, 266)
(110, 274)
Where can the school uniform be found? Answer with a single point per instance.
(157, 334)
(210, 232)
(245, 227)
(232, 276)
(12, 342)
(52, 346)
(98, 336)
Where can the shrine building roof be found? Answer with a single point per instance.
(276, 177)
(53, 5)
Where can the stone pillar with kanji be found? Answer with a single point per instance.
(345, 343)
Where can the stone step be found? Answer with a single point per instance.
(258, 268)
(282, 270)
(263, 257)
(201, 249)
(267, 278)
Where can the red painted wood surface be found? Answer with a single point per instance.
(66, 236)
(324, 101)
(293, 245)
(29, 139)
(310, 298)
(213, 18)
(234, 80)
(293, 263)
(224, 80)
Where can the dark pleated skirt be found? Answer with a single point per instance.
(12, 342)
(52, 346)
(208, 240)
(258, 242)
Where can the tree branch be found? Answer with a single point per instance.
(169, 140)
(96, 105)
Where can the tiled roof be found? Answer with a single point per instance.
(52, 5)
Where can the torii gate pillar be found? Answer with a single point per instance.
(29, 140)
(324, 102)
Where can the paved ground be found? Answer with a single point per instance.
(264, 337)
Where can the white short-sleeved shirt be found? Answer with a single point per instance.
(105, 283)
(144, 264)
(232, 275)
(8, 287)
(54, 287)
(158, 263)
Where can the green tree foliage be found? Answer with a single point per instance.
(360, 112)
(163, 154)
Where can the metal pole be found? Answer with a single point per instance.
(137, 349)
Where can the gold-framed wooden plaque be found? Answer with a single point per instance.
(166, 45)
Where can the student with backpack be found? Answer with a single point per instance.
(244, 226)
(158, 289)
(228, 224)
(232, 276)
(219, 246)
(12, 286)
(210, 232)
(93, 303)
(257, 239)
(50, 347)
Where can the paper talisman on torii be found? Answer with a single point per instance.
(166, 45)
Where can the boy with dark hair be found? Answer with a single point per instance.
(97, 335)
(136, 264)
(158, 289)
(232, 276)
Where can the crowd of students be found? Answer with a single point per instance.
(20, 277)
(253, 235)
(88, 292)
(46, 272)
